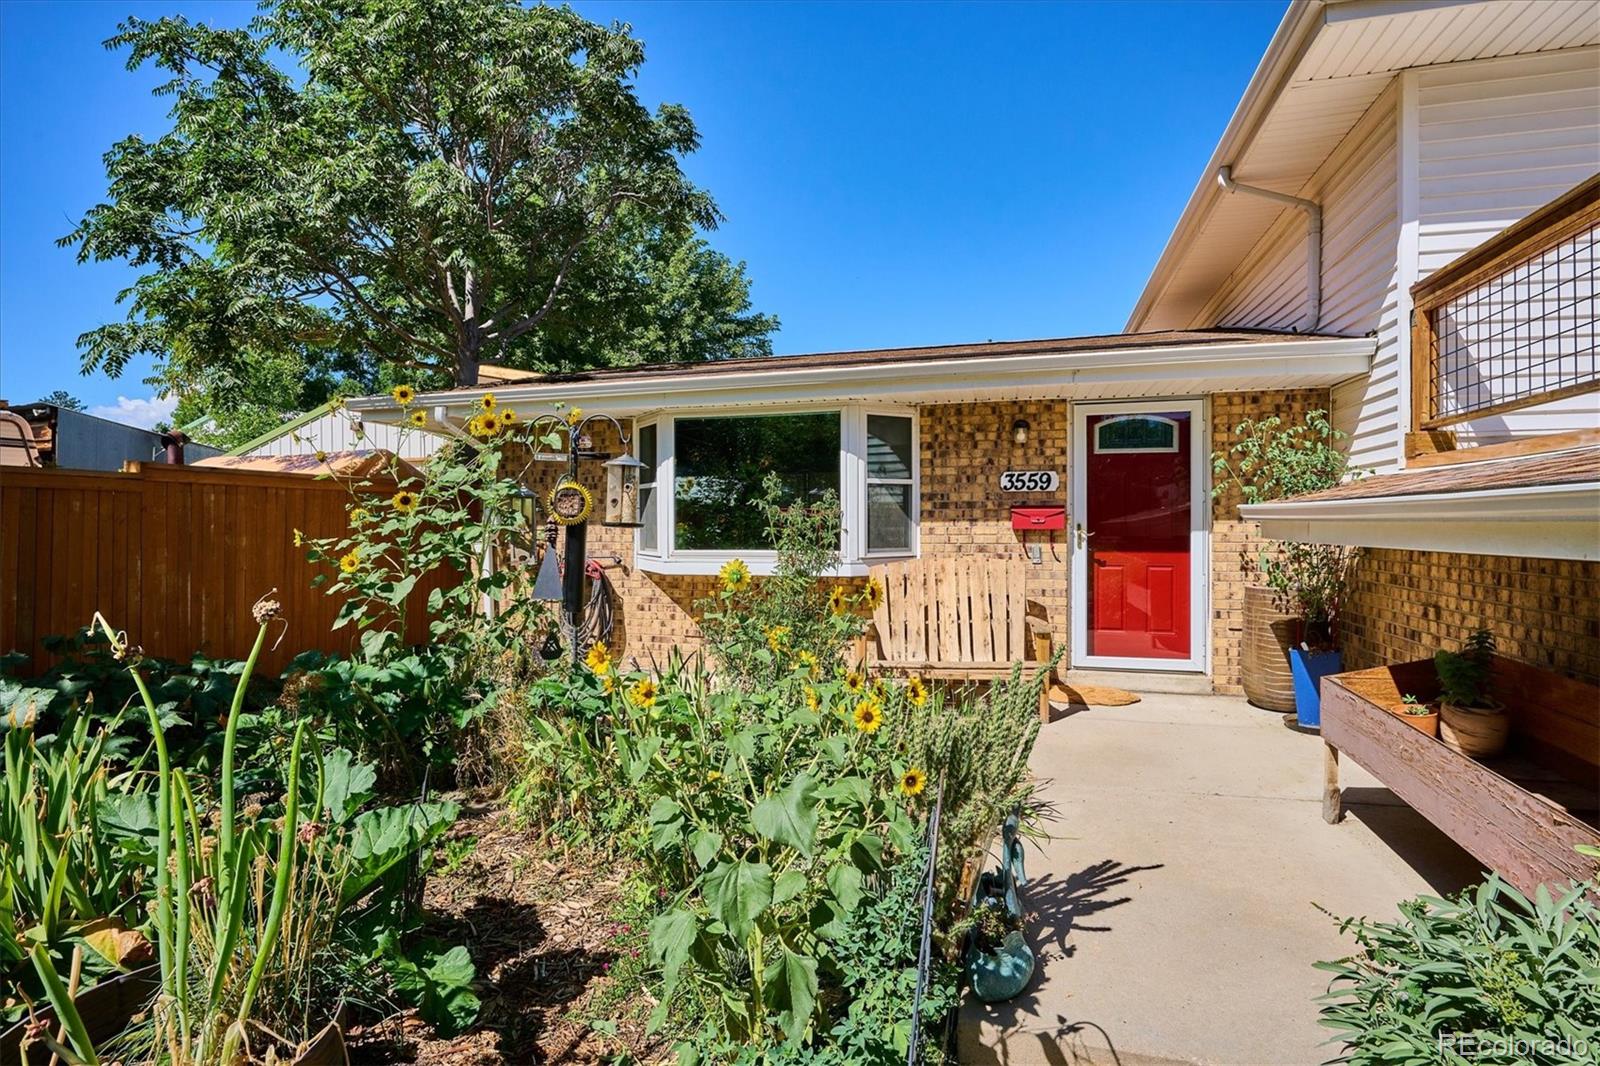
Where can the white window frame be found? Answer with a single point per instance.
(855, 559)
(654, 484)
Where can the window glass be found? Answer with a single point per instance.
(649, 533)
(721, 463)
(888, 518)
(888, 447)
(1136, 433)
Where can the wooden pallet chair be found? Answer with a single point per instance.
(960, 619)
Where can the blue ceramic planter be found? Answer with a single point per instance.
(1003, 973)
(1309, 668)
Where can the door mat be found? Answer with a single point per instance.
(1092, 695)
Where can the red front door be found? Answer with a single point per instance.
(1137, 482)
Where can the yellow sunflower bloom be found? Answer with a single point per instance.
(599, 658)
(609, 683)
(880, 689)
(487, 401)
(872, 595)
(350, 562)
(403, 394)
(321, 456)
(574, 416)
(735, 575)
(813, 701)
(868, 716)
(404, 501)
(358, 515)
(299, 539)
(808, 660)
(508, 417)
(838, 603)
(854, 682)
(487, 425)
(778, 638)
(916, 691)
(912, 782)
(643, 693)
(418, 418)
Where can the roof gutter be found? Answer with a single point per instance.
(1345, 356)
(1313, 212)
(1288, 46)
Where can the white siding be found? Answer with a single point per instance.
(1496, 140)
(336, 431)
(1358, 193)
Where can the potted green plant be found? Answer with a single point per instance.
(1290, 613)
(999, 962)
(1422, 717)
(1471, 720)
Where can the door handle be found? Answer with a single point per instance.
(1083, 535)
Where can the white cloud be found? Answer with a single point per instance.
(142, 411)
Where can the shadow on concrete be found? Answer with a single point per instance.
(1445, 865)
(1057, 906)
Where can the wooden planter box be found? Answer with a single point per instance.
(1519, 813)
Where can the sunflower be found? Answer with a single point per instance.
(912, 782)
(418, 418)
(916, 691)
(403, 394)
(807, 659)
(837, 602)
(868, 716)
(813, 701)
(574, 416)
(643, 693)
(735, 575)
(299, 539)
(508, 417)
(599, 658)
(487, 401)
(872, 595)
(487, 425)
(320, 456)
(608, 683)
(404, 501)
(854, 682)
(350, 562)
(778, 638)
(880, 689)
(358, 515)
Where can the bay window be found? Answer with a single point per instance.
(704, 473)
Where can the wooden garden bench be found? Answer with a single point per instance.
(960, 619)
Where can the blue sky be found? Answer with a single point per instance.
(893, 173)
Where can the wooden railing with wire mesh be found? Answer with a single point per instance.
(1511, 324)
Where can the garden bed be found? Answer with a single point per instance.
(540, 928)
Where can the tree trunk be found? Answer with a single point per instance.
(469, 344)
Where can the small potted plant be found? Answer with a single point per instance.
(1422, 717)
(1471, 720)
(999, 960)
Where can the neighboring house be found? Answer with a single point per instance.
(331, 429)
(1418, 131)
(74, 440)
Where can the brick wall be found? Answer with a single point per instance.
(1235, 543)
(1406, 605)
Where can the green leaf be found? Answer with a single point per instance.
(666, 824)
(790, 884)
(440, 986)
(705, 844)
(790, 983)
(347, 784)
(790, 817)
(672, 935)
(738, 893)
(845, 882)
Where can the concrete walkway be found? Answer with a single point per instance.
(1175, 907)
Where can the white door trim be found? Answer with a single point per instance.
(1199, 660)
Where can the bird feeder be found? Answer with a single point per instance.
(622, 491)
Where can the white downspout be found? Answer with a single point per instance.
(1313, 212)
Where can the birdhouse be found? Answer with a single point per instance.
(622, 491)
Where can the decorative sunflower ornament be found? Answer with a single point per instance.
(569, 502)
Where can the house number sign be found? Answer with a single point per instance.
(1029, 481)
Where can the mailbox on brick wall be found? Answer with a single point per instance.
(1026, 518)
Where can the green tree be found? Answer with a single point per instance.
(437, 183)
(63, 399)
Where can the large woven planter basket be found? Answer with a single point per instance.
(1268, 636)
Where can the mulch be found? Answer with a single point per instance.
(540, 928)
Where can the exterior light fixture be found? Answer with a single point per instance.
(528, 507)
(622, 491)
(1019, 431)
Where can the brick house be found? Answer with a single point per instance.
(1375, 145)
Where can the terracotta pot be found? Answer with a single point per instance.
(1268, 635)
(1474, 731)
(1422, 723)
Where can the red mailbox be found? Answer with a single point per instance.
(1038, 518)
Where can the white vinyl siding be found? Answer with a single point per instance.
(337, 431)
(1360, 288)
(1497, 140)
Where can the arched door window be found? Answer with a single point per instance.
(1136, 433)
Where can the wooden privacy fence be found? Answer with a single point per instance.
(175, 555)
